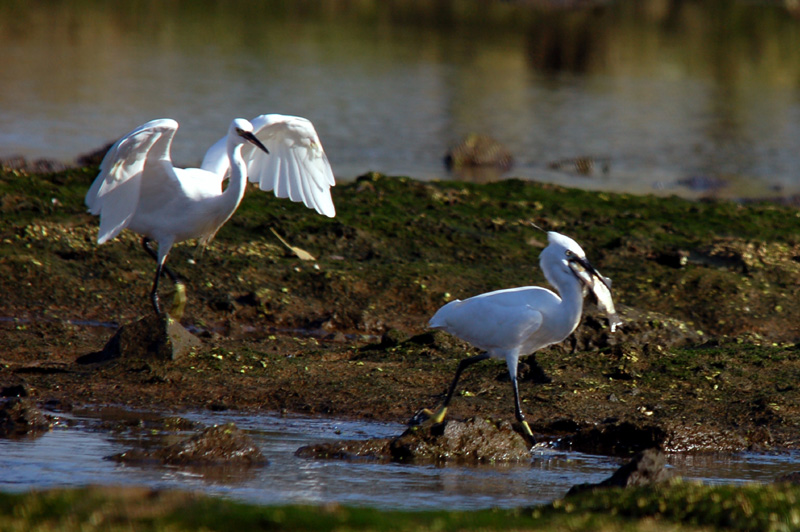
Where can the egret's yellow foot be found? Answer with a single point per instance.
(426, 418)
(432, 418)
(438, 416)
(178, 301)
(528, 432)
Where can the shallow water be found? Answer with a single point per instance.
(73, 455)
(688, 98)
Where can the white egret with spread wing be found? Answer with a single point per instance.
(139, 189)
(518, 321)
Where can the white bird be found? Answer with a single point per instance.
(519, 321)
(138, 188)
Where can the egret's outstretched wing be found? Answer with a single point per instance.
(295, 168)
(114, 195)
(216, 159)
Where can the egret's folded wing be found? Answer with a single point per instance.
(114, 195)
(296, 166)
(496, 320)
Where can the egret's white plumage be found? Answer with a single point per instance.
(518, 321)
(138, 188)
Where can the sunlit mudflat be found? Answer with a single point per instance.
(73, 454)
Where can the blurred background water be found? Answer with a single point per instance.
(692, 98)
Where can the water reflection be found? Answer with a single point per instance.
(666, 91)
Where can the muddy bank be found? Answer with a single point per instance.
(706, 359)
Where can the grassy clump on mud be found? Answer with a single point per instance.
(674, 506)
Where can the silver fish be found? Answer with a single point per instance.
(601, 288)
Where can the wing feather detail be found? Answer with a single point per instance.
(296, 166)
(114, 194)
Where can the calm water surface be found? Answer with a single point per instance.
(690, 98)
(73, 455)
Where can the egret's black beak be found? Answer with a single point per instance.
(253, 139)
(584, 265)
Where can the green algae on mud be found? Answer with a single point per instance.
(706, 359)
(673, 506)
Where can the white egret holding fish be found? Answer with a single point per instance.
(519, 321)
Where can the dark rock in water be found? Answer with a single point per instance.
(479, 151)
(647, 467)
(218, 445)
(473, 441)
(20, 417)
(152, 337)
(615, 439)
(377, 449)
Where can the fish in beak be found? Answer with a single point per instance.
(599, 286)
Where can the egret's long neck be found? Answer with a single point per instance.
(236, 185)
(571, 292)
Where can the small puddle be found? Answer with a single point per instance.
(73, 454)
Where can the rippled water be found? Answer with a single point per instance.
(73, 454)
(691, 98)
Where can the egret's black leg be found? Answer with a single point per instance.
(150, 251)
(180, 289)
(464, 364)
(518, 410)
(438, 416)
(154, 291)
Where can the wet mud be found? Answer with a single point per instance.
(708, 292)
